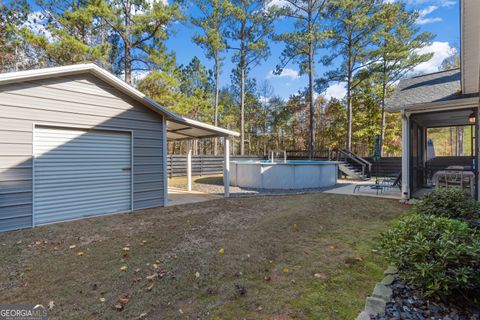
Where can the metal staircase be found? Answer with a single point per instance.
(352, 165)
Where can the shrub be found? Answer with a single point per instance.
(435, 254)
(449, 202)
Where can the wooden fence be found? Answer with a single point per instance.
(388, 166)
(201, 165)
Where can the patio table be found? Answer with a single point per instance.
(459, 178)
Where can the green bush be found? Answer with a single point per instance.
(449, 202)
(435, 254)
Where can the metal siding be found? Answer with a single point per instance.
(80, 173)
(93, 104)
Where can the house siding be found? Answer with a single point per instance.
(80, 101)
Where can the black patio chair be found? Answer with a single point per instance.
(382, 184)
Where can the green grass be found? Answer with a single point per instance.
(324, 234)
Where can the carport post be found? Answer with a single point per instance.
(189, 166)
(226, 167)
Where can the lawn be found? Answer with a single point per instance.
(279, 257)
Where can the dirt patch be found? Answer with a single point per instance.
(254, 258)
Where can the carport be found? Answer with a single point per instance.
(184, 129)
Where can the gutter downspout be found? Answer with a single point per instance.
(405, 155)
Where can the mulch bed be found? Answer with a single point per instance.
(408, 304)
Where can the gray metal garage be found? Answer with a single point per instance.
(76, 141)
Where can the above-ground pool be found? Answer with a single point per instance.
(265, 174)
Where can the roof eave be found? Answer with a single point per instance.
(435, 105)
(13, 77)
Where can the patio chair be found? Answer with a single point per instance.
(382, 184)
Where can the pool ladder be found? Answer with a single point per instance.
(271, 155)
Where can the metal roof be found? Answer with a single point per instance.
(430, 88)
(178, 127)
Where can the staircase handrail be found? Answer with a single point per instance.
(364, 163)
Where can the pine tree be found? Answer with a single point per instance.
(211, 22)
(72, 33)
(352, 26)
(398, 41)
(12, 47)
(249, 26)
(301, 46)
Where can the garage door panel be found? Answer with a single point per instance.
(80, 173)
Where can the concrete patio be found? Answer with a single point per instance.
(347, 187)
(178, 196)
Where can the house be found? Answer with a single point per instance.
(76, 141)
(442, 99)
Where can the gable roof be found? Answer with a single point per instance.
(178, 127)
(440, 86)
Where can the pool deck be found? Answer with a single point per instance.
(346, 187)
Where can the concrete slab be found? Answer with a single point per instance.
(177, 196)
(346, 187)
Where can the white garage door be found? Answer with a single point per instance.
(78, 173)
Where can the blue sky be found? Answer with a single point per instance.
(440, 17)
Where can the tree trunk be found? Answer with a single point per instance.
(383, 121)
(311, 76)
(348, 143)
(311, 102)
(128, 44)
(242, 112)
(242, 88)
(217, 74)
(460, 151)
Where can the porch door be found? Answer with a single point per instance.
(417, 161)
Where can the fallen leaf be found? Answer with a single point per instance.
(119, 307)
(38, 242)
(295, 226)
(155, 266)
(80, 253)
(221, 251)
(51, 305)
(123, 268)
(150, 284)
(73, 246)
(359, 258)
(197, 274)
(137, 270)
(285, 270)
(180, 310)
(142, 315)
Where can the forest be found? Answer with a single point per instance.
(366, 45)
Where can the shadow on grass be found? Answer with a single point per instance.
(217, 181)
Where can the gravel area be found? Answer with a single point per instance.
(216, 187)
(408, 305)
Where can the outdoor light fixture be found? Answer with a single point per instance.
(472, 117)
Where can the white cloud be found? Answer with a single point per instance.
(36, 22)
(441, 51)
(336, 91)
(286, 73)
(422, 15)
